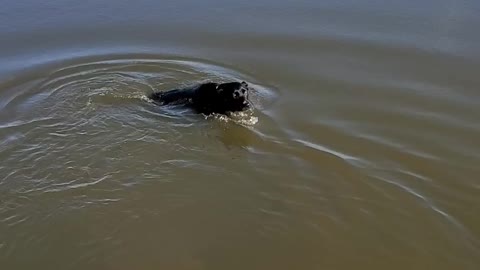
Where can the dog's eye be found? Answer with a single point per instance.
(243, 91)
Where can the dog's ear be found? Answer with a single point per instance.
(244, 83)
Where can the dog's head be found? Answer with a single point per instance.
(234, 95)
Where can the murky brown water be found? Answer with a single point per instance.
(365, 155)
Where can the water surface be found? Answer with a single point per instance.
(365, 154)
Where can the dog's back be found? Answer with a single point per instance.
(208, 98)
(176, 96)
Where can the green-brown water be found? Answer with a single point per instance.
(365, 155)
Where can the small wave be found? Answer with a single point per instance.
(246, 118)
(19, 123)
(345, 157)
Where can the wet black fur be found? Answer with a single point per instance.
(208, 98)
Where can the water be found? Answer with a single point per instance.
(362, 152)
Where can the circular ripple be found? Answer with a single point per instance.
(77, 89)
(62, 128)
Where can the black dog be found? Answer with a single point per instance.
(208, 98)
